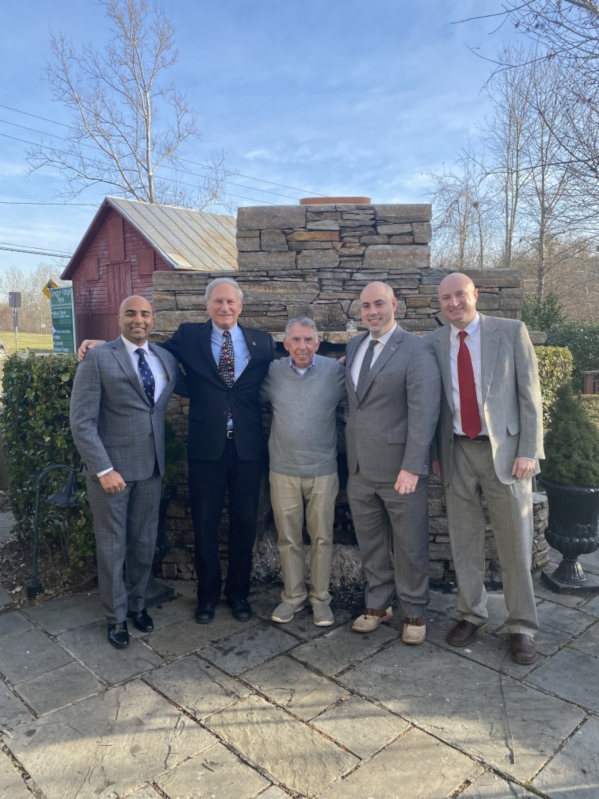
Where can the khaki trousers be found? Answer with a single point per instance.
(510, 511)
(289, 495)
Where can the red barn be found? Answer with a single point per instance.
(127, 242)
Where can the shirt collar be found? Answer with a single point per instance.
(131, 347)
(472, 328)
(218, 332)
(307, 369)
(384, 338)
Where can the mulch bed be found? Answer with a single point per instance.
(15, 574)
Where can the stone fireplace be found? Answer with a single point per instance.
(313, 260)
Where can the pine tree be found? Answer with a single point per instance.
(572, 443)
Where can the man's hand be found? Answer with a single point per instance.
(112, 482)
(88, 344)
(406, 482)
(523, 468)
(437, 468)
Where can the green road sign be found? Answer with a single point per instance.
(63, 320)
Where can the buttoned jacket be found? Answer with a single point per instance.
(511, 395)
(211, 398)
(393, 423)
(114, 425)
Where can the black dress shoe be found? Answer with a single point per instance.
(241, 609)
(205, 612)
(118, 635)
(141, 620)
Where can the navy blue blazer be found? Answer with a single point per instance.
(210, 399)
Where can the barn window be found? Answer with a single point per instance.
(116, 240)
(145, 262)
(91, 268)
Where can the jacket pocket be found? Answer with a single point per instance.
(513, 428)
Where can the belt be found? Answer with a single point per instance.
(230, 434)
(478, 439)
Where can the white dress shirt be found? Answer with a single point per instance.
(155, 364)
(361, 352)
(473, 343)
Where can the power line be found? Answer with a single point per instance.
(32, 251)
(170, 180)
(164, 166)
(79, 205)
(185, 160)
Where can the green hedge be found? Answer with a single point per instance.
(590, 402)
(555, 369)
(582, 339)
(35, 426)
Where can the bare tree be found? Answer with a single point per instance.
(127, 122)
(462, 208)
(35, 306)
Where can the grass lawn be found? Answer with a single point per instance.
(32, 341)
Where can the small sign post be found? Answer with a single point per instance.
(14, 302)
(63, 320)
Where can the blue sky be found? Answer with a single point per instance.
(329, 97)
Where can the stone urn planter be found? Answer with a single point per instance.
(570, 477)
(573, 530)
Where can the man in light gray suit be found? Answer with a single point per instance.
(393, 388)
(490, 438)
(118, 405)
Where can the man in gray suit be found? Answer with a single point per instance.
(490, 438)
(393, 388)
(118, 405)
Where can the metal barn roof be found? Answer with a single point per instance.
(186, 239)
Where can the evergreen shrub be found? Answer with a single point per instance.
(555, 369)
(36, 432)
(571, 444)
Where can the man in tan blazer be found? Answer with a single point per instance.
(490, 437)
(393, 389)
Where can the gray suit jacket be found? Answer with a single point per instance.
(393, 425)
(511, 395)
(112, 421)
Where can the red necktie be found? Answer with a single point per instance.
(468, 403)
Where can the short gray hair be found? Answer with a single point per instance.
(304, 321)
(217, 282)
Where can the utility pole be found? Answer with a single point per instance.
(14, 302)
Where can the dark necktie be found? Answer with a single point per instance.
(226, 364)
(365, 368)
(147, 377)
(471, 425)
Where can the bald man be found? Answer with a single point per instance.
(393, 389)
(490, 437)
(118, 405)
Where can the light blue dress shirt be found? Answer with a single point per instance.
(240, 348)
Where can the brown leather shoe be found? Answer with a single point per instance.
(464, 632)
(522, 649)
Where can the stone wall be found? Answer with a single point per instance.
(314, 261)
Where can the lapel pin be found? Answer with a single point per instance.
(254, 343)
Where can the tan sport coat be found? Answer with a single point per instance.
(511, 395)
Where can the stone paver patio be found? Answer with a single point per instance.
(238, 711)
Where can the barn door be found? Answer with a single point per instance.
(118, 287)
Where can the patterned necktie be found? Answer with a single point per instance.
(147, 377)
(365, 368)
(471, 425)
(226, 364)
